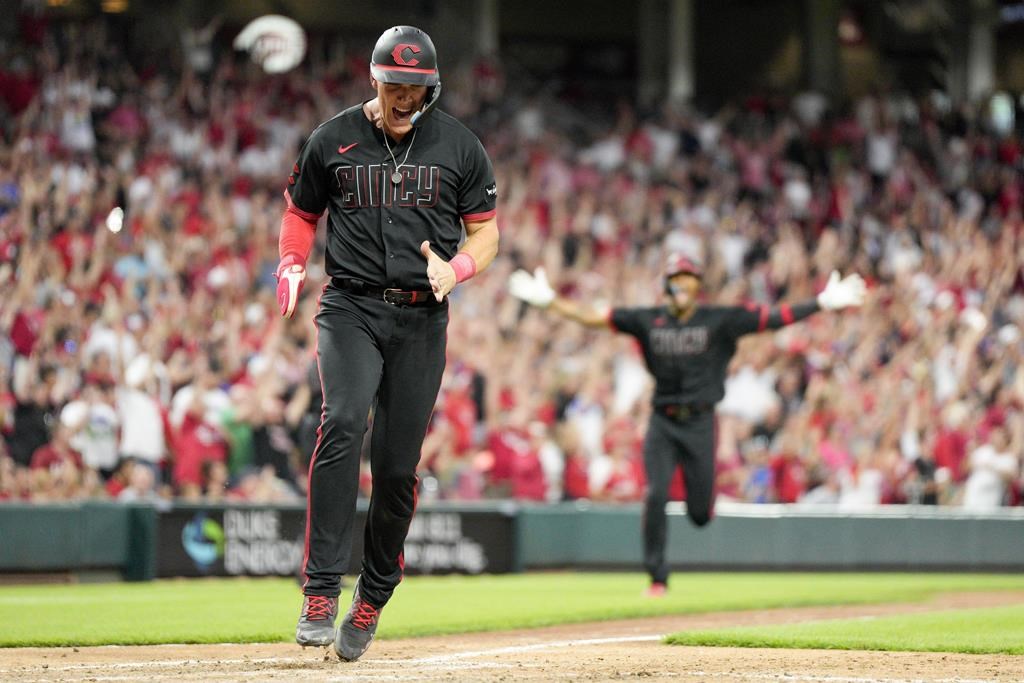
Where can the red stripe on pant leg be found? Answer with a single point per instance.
(415, 502)
(319, 439)
(787, 314)
(714, 479)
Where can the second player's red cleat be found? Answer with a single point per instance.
(656, 590)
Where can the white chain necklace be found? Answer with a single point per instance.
(396, 176)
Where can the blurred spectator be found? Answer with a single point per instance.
(34, 411)
(617, 475)
(261, 486)
(94, 425)
(143, 423)
(141, 485)
(788, 470)
(8, 485)
(58, 453)
(120, 478)
(993, 466)
(517, 471)
(195, 415)
(758, 487)
(215, 481)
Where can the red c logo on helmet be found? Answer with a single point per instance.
(678, 263)
(396, 54)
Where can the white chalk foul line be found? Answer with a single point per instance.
(437, 659)
(164, 664)
(814, 678)
(516, 649)
(449, 659)
(337, 675)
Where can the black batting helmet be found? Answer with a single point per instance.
(405, 54)
(677, 263)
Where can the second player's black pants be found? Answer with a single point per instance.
(670, 443)
(370, 353)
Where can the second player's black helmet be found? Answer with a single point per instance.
(405, 54)
(676, 264)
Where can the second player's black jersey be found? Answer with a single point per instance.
(375, 224)
(689, 358)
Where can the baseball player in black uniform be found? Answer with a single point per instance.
(687, 347)
(400, 183)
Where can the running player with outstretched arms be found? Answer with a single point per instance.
(687, 347)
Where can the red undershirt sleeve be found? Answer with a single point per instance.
(297, 235)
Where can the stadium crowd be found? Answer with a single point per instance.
(142, 358)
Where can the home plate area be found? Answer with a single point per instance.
(605, 651)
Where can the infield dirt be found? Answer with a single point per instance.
(605, 651)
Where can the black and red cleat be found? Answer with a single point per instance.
(316, 623)
(357, 628)
(657, 589)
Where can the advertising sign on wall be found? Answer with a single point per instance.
(267, 541)
(230, 541)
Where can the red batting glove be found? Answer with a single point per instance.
(291, 273)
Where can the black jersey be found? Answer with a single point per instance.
(375, 224)
(689, 358)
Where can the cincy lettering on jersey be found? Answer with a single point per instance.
(364, 186)
(683, 341)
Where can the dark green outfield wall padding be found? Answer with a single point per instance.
(104, 536)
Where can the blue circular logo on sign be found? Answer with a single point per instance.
(203, 540)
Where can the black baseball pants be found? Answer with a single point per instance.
(670, 443)
(370, 353)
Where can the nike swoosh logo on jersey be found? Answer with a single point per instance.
(343, 148)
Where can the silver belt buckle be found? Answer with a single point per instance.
(388, 291)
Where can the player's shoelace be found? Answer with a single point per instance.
(365, 615)
(319, 607)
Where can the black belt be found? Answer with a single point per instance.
(391, 295)
(685, 411)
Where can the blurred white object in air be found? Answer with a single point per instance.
(974, 319)
(275, 42)
(1008, 334)
(115, 219)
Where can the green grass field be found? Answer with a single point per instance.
(265, 610)
(998, 630)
